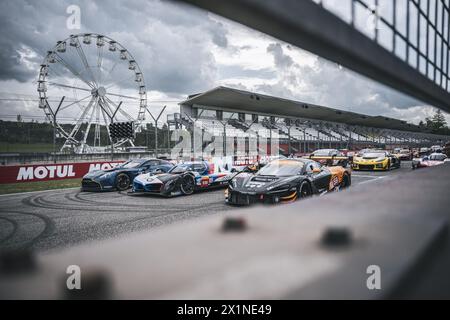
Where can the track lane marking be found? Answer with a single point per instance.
(372, 180)
(31, 192)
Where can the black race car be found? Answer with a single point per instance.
(286, 181)
(121, 177)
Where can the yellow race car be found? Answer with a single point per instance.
(379, 160)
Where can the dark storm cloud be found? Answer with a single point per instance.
(24, 27)
(281, 60)
(328, 84)
(171, 42)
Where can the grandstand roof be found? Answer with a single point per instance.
(234, 100)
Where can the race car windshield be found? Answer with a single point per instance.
(323, 153)
(362, 152)
(278, 168)
(131, 164)
(437, 157)
(374, 155)
(181, 168)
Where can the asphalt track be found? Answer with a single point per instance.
(52, 220)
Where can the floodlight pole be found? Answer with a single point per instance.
(224, 142)
(289, 140)
(54, 114)
(156, 128)
(168, 136)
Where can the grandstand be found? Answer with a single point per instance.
(300, 127)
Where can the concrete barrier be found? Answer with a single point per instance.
(318, 248)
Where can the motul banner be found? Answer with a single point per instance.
(46, 172)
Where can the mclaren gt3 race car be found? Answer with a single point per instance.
(432, 160)
(375, 160)
(121, 176)
(286, 181)
(183, 179)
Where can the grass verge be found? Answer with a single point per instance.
(38, 186)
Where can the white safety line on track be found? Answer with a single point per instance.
(365, 176)
(374, 179)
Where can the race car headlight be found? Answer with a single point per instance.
(275, 188)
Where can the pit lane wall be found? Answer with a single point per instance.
(46, 172)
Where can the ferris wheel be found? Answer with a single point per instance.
(86, 82)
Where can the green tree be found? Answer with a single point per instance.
(439, 120)
(437, 123)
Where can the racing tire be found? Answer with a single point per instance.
(388, 167)
(346, 181)
(187, 185)
(304, 190)
(123, 182)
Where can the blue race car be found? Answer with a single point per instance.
(183, 179)
(121, 176)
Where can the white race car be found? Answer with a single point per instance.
(432, 160)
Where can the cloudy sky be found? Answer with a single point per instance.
(181, 51)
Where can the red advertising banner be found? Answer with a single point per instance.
(46, 172)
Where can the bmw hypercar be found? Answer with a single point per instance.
(375, 160)
(286, 181)
(183, 179)
(120, 177)
(432, 160)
